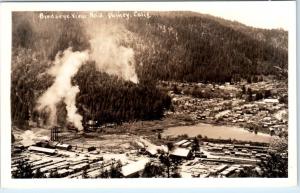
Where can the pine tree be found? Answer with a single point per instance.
(196, 146)
(24, 170)
(84, 174)
(115, 170)
(38, 174)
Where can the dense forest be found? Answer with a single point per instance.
(199, 48)
(179, 46)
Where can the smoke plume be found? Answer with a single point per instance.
(109, 50)
(66, 66)
(113, 59)
(110, 56)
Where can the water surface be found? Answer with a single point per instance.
(217, 132)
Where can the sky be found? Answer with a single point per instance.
(257, 14)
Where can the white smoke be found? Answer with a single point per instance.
(110, 57)
(30, 137)
(70, 101)
(109, 51)
(113, 59)
(66, 66)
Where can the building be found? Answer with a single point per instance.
(179, 143)
(91, 148)
(63, 146)
(229, 171)
(186, 144)
(43, 150)
(43, 143)
(152, 151)
(181, 153)
(133, 169)
(271, 101)
(219, 169)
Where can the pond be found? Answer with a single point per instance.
(217, 132)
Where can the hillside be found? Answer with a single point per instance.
(204, 48)
(179, 46)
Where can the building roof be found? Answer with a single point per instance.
(181, 142)
(152, 151)
(134, 167)
(164, 148)
(53, 143)
(140, 144)
(221, 167)
(271, 100)
(63, 145)
(181, 152)
(41, 149)
(186, 144)
(63, 171)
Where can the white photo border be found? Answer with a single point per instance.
(6, 10)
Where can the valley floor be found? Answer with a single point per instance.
(264, 120)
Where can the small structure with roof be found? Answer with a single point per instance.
(179, 143)
(43, 150)
(63, 146)
(133, 169)
(181, 153)
(152, 151)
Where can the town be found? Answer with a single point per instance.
(257, 107)
(145, 149)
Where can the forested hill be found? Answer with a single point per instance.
(179, 46)
(195, 47)
(182, 46)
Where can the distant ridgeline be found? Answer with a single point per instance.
(178, 46)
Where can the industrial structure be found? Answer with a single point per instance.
(54, 133)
